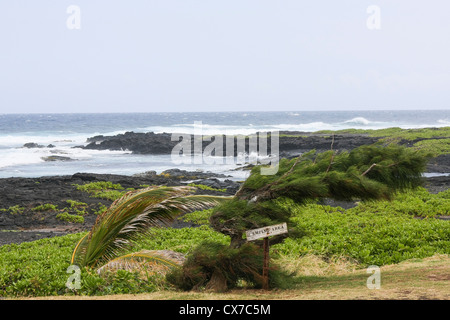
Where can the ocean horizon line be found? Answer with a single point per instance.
(243, 111)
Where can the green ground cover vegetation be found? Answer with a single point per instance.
(103, 190)
(434, 140)
(372, 233)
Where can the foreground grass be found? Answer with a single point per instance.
(417, 279)
(328, 257)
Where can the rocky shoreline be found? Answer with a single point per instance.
(30, 192)
(27, 193)
(291, 144)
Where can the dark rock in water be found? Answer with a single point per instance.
(51, 146)
(212, 183)
(56, 158)
(145, 174)
(32, 145)
(289, 142)
(98, 138)
(139, 143)
(177, 173)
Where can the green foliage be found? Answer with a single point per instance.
(35, 268)
(418, 203)
(367, 172)
(74, 213)
(73, 218)
(39, 268)
(99, 186)
(435, 146)
(204, 187)
(413, 134)
(373, 233)
(76, 204)
(396, 133)
(198, 217)
(182, 240)
(111, 195)
(101, 209)
(45, 207)
(234, 217)
(131, 216)
(14, 209)
(78, 207)
(216, 266)
(103, 190)
(433, 140)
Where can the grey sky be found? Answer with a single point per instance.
(223, 55)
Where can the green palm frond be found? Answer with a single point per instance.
(131, 216)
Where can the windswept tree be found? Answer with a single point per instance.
(369, 172)
(366, 173)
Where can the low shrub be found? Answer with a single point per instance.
(66, 216)
(218, 267)
(103, 190)
(45, 207)
(14, 209)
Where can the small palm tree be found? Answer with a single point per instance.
(132, 216)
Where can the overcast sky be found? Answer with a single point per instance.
(223, 55)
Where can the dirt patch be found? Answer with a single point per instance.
(439, 277)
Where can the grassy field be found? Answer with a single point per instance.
(327, 260)
(420, 279)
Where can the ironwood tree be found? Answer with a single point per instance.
(366, 173)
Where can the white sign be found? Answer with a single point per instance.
(266, 231)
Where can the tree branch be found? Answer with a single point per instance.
(367, 171)
(331, 161)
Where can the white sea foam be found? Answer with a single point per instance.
(354, 123)
(359, 121)
(18, 161)
(28, 156)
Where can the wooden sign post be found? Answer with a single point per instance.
(265, 233)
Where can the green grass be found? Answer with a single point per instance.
(14, 209)
(198, 217)
(372, 233)
(435, 146)
(74, 213)
(68, 217)
(98, 186)
(203, 187)
(103, 190)
(39, 268)
(45, 207)
(395, 132)
(435, 140)
(101, 209)
(376, 232)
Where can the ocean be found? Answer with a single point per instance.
(65, 131)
